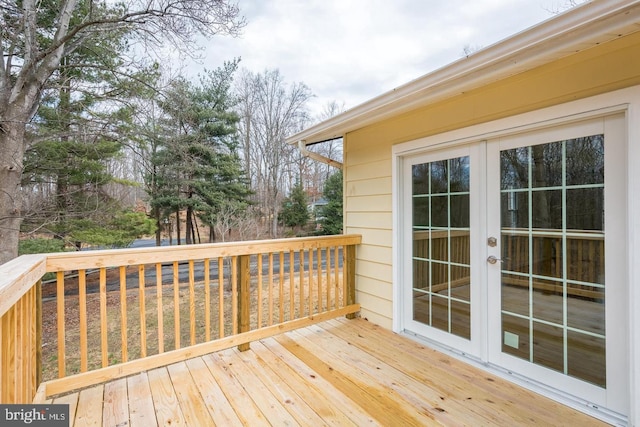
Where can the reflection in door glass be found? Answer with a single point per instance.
(552, 290)
(441, 248)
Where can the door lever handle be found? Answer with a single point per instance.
(493, 260)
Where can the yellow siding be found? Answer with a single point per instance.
(357, 219)
(376, 308)
(368, 212)
(374, 270)
(368, 175)
(368, 187)
(356, 204)
(363, 171)
(379, 254)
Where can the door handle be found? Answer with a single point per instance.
(493, 260)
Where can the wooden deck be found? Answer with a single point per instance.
(340, 372)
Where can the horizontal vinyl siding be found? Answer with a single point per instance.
(363, 171)
(375, 308)
(374, 270)
(379, 254)
(368, 187)
(381, 201)
(373, 236)
(365, 220)
(368, 211)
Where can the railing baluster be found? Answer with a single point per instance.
(21, 355)
(327, 257)
(336, 269)
(271, 289)
(192, 303)
(309, 274)
(319, 278)
(160, 308)
(82, 301)
(60, 323)
(244, 299)
(349, 277)
(221, 297)
(176, 304)
(301, 279)
(38, 371)
(259, 291)
(103, 317)
(12, 352)
(8, 357)
(234, 295)
(281, 287)
(292, 287)
(345, 266)
(123, 313)
(143, 311)
(207, 300)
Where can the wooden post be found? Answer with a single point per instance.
(244, 298)
(350, 277)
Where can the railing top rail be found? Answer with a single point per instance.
(18, 276)
(66, 261)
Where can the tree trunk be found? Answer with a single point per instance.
(274, 223)
(156, 215)
(189, 228)
(11, 157)
(197, 229)
(63, 193)
(178, 226)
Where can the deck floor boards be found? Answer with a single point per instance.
(340, 372)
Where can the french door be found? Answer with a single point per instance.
(518, 255)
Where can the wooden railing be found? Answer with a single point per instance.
(114, 313)
(20, 328)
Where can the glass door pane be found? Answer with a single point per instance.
(441, 296)
(552, 243)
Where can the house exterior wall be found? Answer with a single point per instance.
(368, 151)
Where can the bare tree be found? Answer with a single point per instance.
(35, 36)
(270, 110)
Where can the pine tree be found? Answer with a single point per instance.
(294, 212)
(197, 166)
(80, 126)
(331, 222)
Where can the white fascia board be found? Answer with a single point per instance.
(580, 28)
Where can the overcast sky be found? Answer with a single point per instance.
(353, 50)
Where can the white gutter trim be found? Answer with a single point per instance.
(580, 28)
(302, 146)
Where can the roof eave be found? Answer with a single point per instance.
(578, 29)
